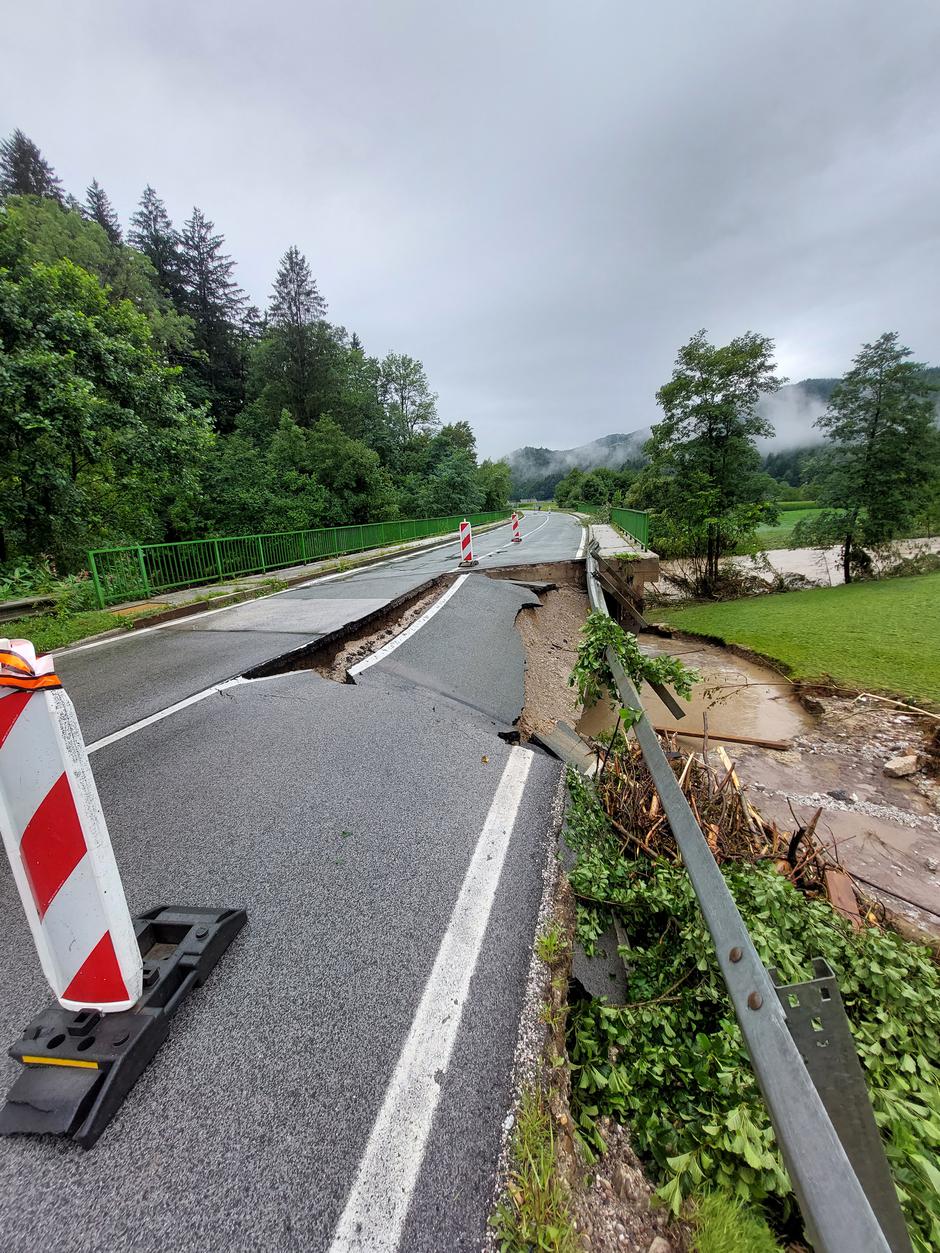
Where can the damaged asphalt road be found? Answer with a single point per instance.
(115, 684)
(484, 670)
(344, 818)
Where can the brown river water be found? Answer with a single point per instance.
(735, 696)
(885, 831)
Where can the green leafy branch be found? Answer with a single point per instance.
(592, 674)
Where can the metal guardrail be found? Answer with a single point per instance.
(835, 1208)
(139, 570)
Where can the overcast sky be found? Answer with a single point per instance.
(539, 200)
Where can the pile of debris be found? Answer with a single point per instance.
(734, 829)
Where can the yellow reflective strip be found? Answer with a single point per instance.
(58, 1061)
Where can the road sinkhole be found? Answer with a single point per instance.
(334, 654)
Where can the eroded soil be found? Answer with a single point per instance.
(550, 635)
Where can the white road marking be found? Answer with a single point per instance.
(506, 547)
(377, 1206)
(584, 539)
(164, 713)
(409, 630)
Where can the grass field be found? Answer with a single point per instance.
(778, 535)
(877, 637)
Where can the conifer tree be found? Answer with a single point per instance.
(152, 232)
(98, 208)
(297, 308)
(215, 302)
(213, 297)
(24, 171)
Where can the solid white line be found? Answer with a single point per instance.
(377, 1206)
(584, 539)
(408, 631)
(164, 713)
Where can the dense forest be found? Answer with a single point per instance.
(143, 398)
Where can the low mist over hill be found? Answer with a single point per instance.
(793, 410)
(536, 471)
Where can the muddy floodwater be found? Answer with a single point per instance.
(886, 832)
(735, 697)
(820, 566)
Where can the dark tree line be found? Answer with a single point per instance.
(142, 396)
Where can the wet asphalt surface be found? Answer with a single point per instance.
(342, 817)
(120, 682)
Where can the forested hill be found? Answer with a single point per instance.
(143, 398)
(537, 471)
(792, 410)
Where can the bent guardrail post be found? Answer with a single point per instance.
(817, 1021)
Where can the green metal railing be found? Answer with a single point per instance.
(141, 570)
(635, 522)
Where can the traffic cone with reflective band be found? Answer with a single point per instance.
(466, 545)
(516, 537)
(57, 841)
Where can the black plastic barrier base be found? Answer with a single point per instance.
(79, 1067)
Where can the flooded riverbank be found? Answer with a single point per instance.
(886, 832)
(735, 697)
(821, 566)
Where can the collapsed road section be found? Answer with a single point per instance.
(354, 822)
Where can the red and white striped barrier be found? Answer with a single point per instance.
(58, 843)
(516, 537)
(466, 544)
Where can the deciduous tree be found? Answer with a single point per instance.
(704, 468)
(96, 437)
(495, 478)
(883, 457)
(410, 405)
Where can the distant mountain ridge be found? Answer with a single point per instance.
(536, 471)
(792, 410)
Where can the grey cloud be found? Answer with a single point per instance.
(542, 201)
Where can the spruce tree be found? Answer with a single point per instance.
(213, 298)
(153, 234)
(296, 302)
(215, 302)
(98, 208)
(24, 171)
(296, 310)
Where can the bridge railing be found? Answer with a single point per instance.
(635, 522)
(138, 571)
